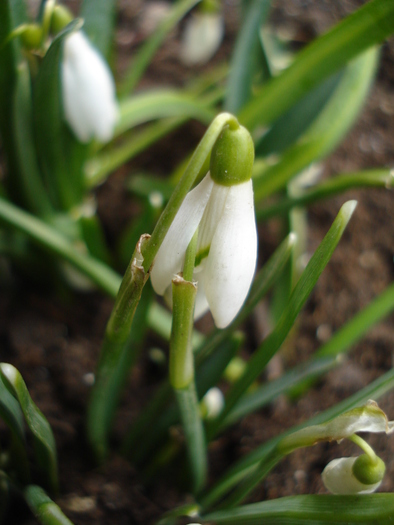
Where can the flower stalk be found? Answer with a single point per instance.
(182, 377)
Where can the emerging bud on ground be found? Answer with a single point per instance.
(89, 100)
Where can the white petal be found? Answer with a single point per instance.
(231, 262)
(202, 37)
(338, 478)
(89, 99)
(169, 259)
(212, 216)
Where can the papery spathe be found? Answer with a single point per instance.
(226, 250)
(89, 100)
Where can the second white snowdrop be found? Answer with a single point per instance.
(221, 207)
(88, 90)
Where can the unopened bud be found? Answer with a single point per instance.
(31, 36)
(61, 17)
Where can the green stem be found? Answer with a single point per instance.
(194, 434)
(360, 442)
(105, 391)
(182, 368)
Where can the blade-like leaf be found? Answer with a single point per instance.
(44, 509)
(368, 26)
(297, 300)
(371, 509)
(57, 149)
(144, 107)
(327, 130)
(12, 14)
(99, 17)
(377, 178)
(246, 53)
(290, 126)
(12, 416)
(44, 443)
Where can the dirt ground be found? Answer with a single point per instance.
(54, 339)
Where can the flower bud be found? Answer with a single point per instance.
(61, 17)
(212, 403)
(232, 156)
(31, 36)
(339, 478)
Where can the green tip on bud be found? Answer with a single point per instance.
(369, 471)
(61, 17)
(232, 156)
(31, 36)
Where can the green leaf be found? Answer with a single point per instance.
(99, 17)
(266, 393)
(116, 361)
(375, 178)
(368, 509)
(44, 509)
(327, 130)
(44, 443)
(107, 279)
(12, 416)
(152, 105)
(12, 14)
(300, 294)
(290, 126)
(35, 195)
(246, 53)
(57, 148)
(101, 165)
(366, 27)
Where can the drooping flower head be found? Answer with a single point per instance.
(88, 90)
(222, 209)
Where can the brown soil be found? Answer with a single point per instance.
(54, 340)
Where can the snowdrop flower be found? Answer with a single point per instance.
(222, 209)
(212, 403)
(202, 38)
(89, 101)
(341, 477)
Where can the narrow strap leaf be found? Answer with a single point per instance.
(99, 17)
(44, 509)
(366, 27)
(310, 510)
(296, 301)
(44, 442)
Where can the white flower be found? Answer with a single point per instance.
(202, 37)
(226, 250)
(89, 100)
(212, 403)
(338, 478)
